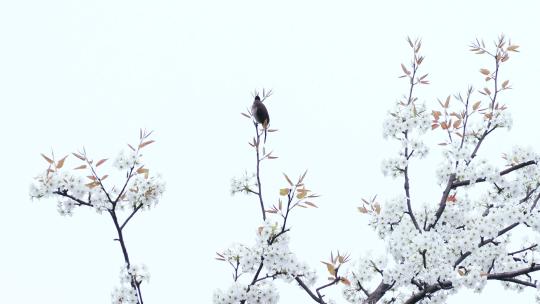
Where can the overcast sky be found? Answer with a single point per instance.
(92, 73)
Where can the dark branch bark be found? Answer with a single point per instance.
(488, 130)
(406, 184)
(334, 282)
(535, 202)
(503, 276)
(484, 242)
(515, 273)
(517, 281)
(257, 143)
(378, 293)
(524, 249)
(442, 203)
(129, 176)
(504, 172)
(309, 292)
(130, 216)
(426, 291)
(120, 239)
(65, 193)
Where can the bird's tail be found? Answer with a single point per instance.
(265, 131)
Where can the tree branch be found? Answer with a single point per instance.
(484, 242)
(309, 292)
(517, 281)
(406, 185)
(515, 273)
(335, 281)
(65, 193)
(130, 216)
(503, 172)
(257, 143)
(523, 250)
(493, 99)
(503, 276)
(442, 203)
(121, 240)
(378, 293)
(129, 176)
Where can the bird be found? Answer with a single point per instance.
(260, 113)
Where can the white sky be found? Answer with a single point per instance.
(91, 73)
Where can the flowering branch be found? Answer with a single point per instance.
(143, 192)
(503, 172)
(271, 258)
(417, 60)
(256, 144)
(463, 242)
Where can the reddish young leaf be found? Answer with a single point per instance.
(144, 171)
(146, 143)
(92, 185)
(436, 114)
(447, 102)
(513, 48)
(288, 179)
(311, 204)
(331, 269)
(407, 72)
(60, 163)
(451, 198)
(50, 161)
(79, 156)
(301, 179)
(363, 209)
(377, 208)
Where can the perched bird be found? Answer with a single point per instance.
(260, 113)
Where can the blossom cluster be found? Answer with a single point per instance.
(464, 238)
(244, 184)
(406, 123)
(133, 274)
(124, 295)
(406, 117)
(72, 190)
(429, 256)
(271, 252)
(125, 161)
(144, 191)
(261, 293)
